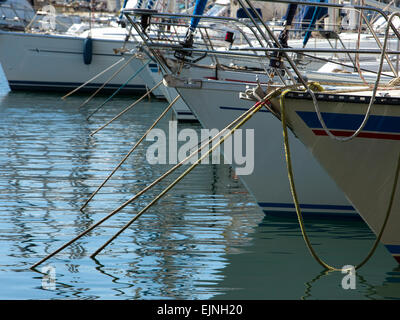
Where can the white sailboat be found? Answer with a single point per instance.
(56, 62)
(362, 170)
(364, 167)
(216, 103)
(343, 70)
(51, 62)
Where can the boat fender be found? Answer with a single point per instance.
(87, 50)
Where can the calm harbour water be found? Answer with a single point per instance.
(207, 239)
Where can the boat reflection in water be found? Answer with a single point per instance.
(207, 238)
(277, 264)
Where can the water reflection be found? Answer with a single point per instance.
(279, 265)
(49, 168)
(390, 288)
(206, 239)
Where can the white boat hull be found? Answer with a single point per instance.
(364, 168)
(153, 75)
(55, 63)
(217, 103)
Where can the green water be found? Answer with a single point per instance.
(207, 239)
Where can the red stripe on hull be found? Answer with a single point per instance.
(397, 258)
(368, 135)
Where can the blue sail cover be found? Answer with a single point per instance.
(241, 13)
(312, 14)
(198, 11)
(290, 13)
(308, 12)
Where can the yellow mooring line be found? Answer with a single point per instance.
(131, 150)
(127, 108)
(237, 123)
(254, 109)
(243, 118)
(91, 79)
(296, 201)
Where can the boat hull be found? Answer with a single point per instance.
(42, 62)
(217, 103)
(364, 167)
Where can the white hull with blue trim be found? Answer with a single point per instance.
(217, 103)
(364, 167)
(153, 75)
(43, 62)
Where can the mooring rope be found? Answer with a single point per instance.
(126, 109)
(297, 205)
(121, 87)
(254, 109)
(91, 79)
(107, 81)
(372, 100)
(131, 150)
(144, 190)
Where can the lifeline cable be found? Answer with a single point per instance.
(372, 100)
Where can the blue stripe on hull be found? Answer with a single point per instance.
(186, 113)
(341, 121)
(67, 86)
(75, 52)
(307, 206)
(393, 249)
(314, 214)
(312, 210)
